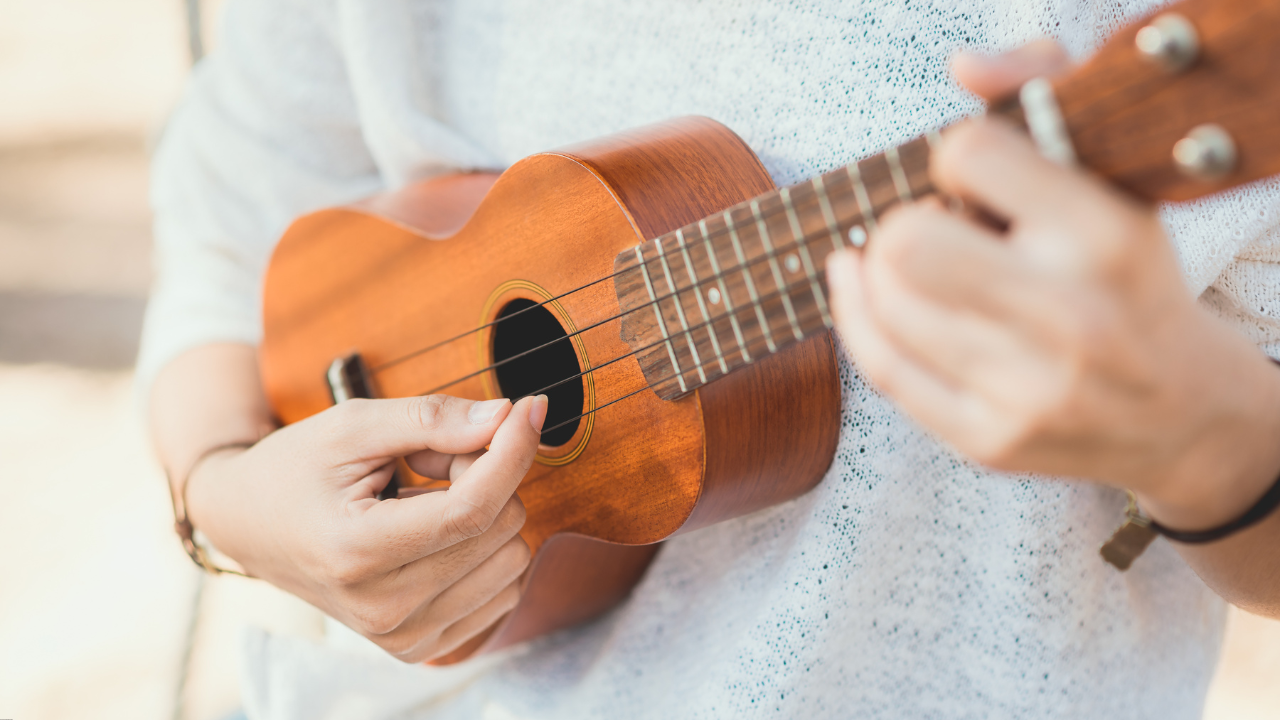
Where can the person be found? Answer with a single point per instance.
(1096, 338)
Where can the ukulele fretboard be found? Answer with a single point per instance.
(736, 286)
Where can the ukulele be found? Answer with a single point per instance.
(671, 303)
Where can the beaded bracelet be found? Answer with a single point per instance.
(182, 524)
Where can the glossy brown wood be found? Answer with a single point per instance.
(1124, 114)
(385, 278)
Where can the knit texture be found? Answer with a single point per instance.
(910, 583)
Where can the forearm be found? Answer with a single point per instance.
(209, 396)
(1233, 465)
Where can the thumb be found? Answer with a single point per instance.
(994, 77)
(424, 524)
(362, 435)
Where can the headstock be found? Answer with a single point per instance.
(1152, 89)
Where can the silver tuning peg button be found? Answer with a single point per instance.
(1170, 41)
(1206, 153)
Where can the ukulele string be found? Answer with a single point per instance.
(805, 239)
(716, 277)
(598, 408)
(624, 356)
(710, 321)
(770, 215)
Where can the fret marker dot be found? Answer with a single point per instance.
(793, 263)
(857, 236)
(713, 296)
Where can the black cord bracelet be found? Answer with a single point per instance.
(1260, 510)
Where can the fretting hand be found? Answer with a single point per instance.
(1066, 344)
(419, 575)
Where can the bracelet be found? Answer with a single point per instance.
(182, 524)
(1269, 502)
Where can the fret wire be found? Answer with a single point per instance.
(868, 217)
(775, 293)
(864, 205)
(860, 192)
(751, 285)
(702, 307)
(611, 361)
(828, 214)
(724, 291)
(688, 336)
(597, 408)
(777, 271)
(662, 324)
(602, 365)
(798, 233)
(899, 177)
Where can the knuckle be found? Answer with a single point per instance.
(878, 368)
(903, 236)
(405, 647)
(960, 146)
(999, 449)
(512, 517)
(374, 619)
(346, 415)
(346, 570)
(467, 520)
(428, 412)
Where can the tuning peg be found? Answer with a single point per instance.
(1170, 41)
(1206, 153)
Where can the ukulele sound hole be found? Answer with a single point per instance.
(534, 373)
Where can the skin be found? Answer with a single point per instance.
(420, 575)
(1066, 345)
(1067, 342)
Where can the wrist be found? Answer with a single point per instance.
(202, 494)
(1232, 461)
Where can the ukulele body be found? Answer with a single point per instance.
(412, 269)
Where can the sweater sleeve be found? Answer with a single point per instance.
(267, 130)
(1229, 246)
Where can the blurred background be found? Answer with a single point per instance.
(101, 614)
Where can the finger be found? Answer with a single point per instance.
(426, 577)
(380, 596)
(422, 631)
(425, 524)
(920, 393)
(957, 263)
(462, 463)
(477, 495)
(993, 77)
(479, 621)
(987, 161)
(963, 348)
(363, 434)
(431, 463)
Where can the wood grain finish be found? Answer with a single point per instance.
(1124, 114)
(392, 275)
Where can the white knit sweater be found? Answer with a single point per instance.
(910, 583)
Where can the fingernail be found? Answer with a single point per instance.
(482, 412)
(538, 412)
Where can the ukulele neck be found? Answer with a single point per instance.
(742, 284)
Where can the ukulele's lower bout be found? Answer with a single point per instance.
(413, 269)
